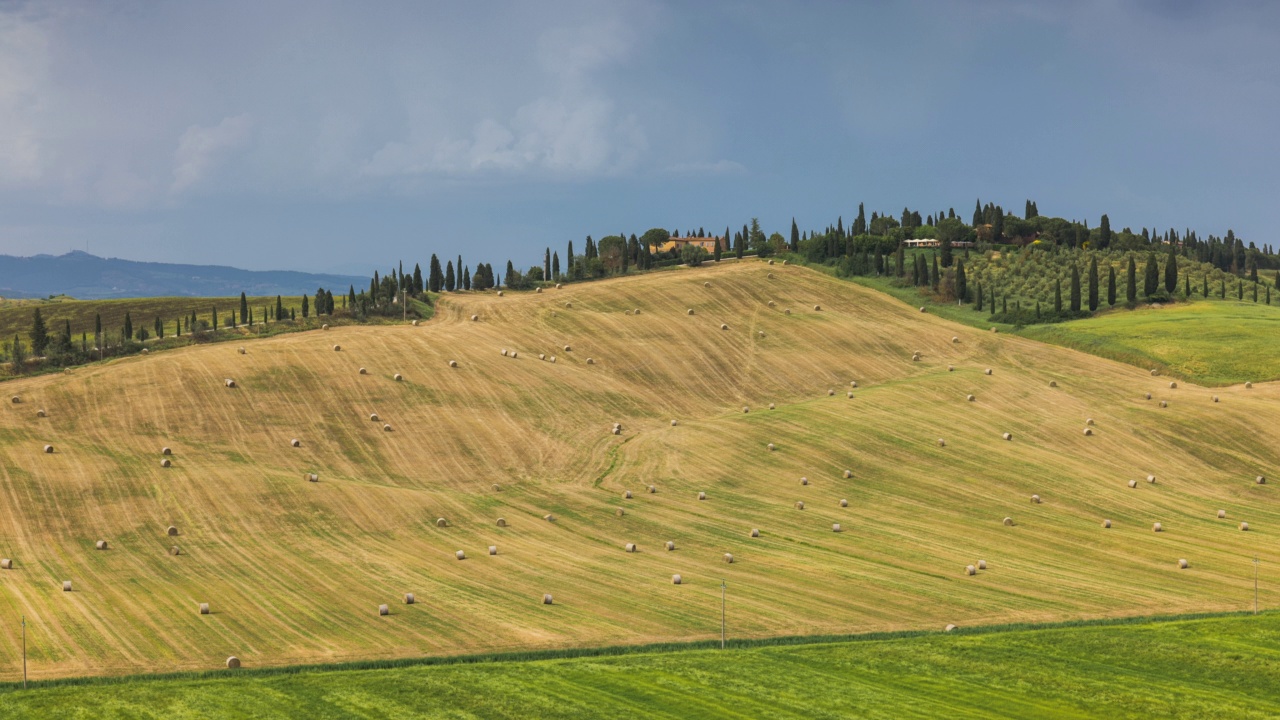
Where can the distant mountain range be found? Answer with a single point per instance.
(89, 277)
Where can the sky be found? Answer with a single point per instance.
(344, 137)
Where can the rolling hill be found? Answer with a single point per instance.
(294, 571)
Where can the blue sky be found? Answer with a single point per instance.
(346, 136)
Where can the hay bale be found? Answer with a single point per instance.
(770, 274)
(496, 487)
(48, 448)
(6, 564)
(949, 628)
(337, 348)
(1182, 564)
(987, 371)
(383, 610)
(475, 318)
(1157, 527)
(1088, 431)
(627, 494)
(1164, 403)
(848, 474)
(702, 495)
(1261, 480)
(397, 377)
(982, 564)
(728, 558)
(240, 350)
(591, 361)
(363, 371)
(1088, 421)
(922, 309)
(493, 549)
(853, 383)
(835, 527)
(1007, 436)
(66, 586)
(653, 489)
(995, 329)
(546, 599)
(1173, 386)
(166, 462)
(1106, 523)
(620, 512)
(951, 368)
(504, 352)
(770, 262)
(755, 532)
(804, 481)
(844, 503)
(537, 290)
(1035, 499)
(558, 286)
(386, 427)
(1008, 522)
(460, 555)
(552, 359)
(549, 517)
(502, 522)
(706, 284)
(971, 398)
(915, 357)
(1154, 372)
(204, 608)
(499, 293)
(629, 547)
(772, 304)
(233, 663)
(1244, 526)
(1151, 479)
(799, 504)
(1053, 383)
(515, 354)
(441, 522)
(671, 545)
(311, 477)
(689, 311)
(617, 431)
(542, 356)
(771, 447)
(723, 326)
(760, 333)
(831, 392)
(409, 599)
(771, 406)
(172, 531)
(676, 579)
(415, 323)
(1148, 396)
(101, 545)
(636, 311)
(175, 550)
(295, 443)
(229, 383)
(970, 570)
(1215, 398)
(817, 308)
(1133, 483)
(942, 443)
(568, 305)
(673, 423)
(40, 413)
(16, 399)
(1248, 386)
(787, 311)
(1222, 514)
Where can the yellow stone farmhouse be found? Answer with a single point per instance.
(679, 243)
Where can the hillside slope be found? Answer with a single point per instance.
(294, 571)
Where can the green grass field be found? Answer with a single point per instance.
(1191, 668)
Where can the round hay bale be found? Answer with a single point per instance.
(706, 284)
(987, 371)
(48, 448)
(549, 517)
(799, 504)
(771, 406)
(175, 550)
(728, 558)
(627, 494)
(787, 311)
(1261, 480)
(620, 512)
(1222, 514)
(415, 323)
(1157, 527)
(770, 276)
(496, 487)
(515, 354)
(101, 545)
(831, 392)
(500, 293)
(537, 290)
(970, 570)
(233, 663)
(702, 495)
(942, 443)
(949, 628)
(475, 318)
(786, 262)
(1182, 564)
(312, 477)
(373, 417)
(1215, 398)
(383, 610)
(771, 447)
(460, 555)
(546, 599)
(66, 586)
(295, 443)
(915, 357)
(166, 462)
(397, 377)
(617, 431)
(629, 547)
(853, 383)
(1106, 523)
(1053, 383)
(995, 329)
(772, 304)
(441, 522)
(363, 371)
(1154, 372)
(760, 333)
(204, 608)
(723, 326)
(1088, 421)
(844, 502)
(6, 564)
(493, 549)
(337, 348)
(1164, 403)
(409, 599)
(1007, 436)
(1151, 479)
(951, 368)
(591, 361)
(922, 308)
(689, 311)
(558, 286)
(636, 311)
(673, 423)
(817, 308)
(1133, 483)
(653, 489)
(1244, 526)
(676, 579)
(755, 532)
(172, 531)
(504, 352)
(770, 262)
(1088, 431)
(386, 427)
(166, 451)
(40, 413)
(1173, 386)
(1008, 522)
(240, 350)
(145, 351)
(16, 399)
(1148, 396)
(542, 356)
(1248, 386)
(671, 545)
(551, 359)
(804, 481)
(229, 383)
(835, 527)
(502, 522)
(1035, 499)
(971, 398)
(848, 474)
(982, 564)
(568, 305)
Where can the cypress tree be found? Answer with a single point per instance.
(900, 262)
(568, 260)
(306, 307)
(1171, 272)
(1205, 290)
(159, 329)
(915, 273)
(417, 283)
(546, 265)
(128, 328)
(448, 276)
(715, 255)
(977, 301)
(1057, 297)
(1004, 304)
(1131, 281)
(962, 283)
(1104, 233)
(1222, 289)
(97, 326)
(993, 303)
(1037, 309)
(1255, 292)
(466, 275)
(1093, 283)
(244, 306)
(1239, 290)
(555, 266)
(1268, 295)
(1075, 288)
(795, 236)
(933, 275)
(1186, 286)
(40, 333)
(435, 278)
(1111, 285)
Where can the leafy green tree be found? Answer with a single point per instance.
(1111, 285)
(1131, 281)
(40, 334)
(1171, 271)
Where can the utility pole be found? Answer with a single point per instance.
(722, 613)
(24, 652)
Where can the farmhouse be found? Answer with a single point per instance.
(678, 244)
(933, 243)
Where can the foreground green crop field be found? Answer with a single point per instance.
(1207, 667)
(1211, 343)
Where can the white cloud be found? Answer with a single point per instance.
(719, 167)
(23, 70)
(199, 149)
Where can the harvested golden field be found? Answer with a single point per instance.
(294, 571)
